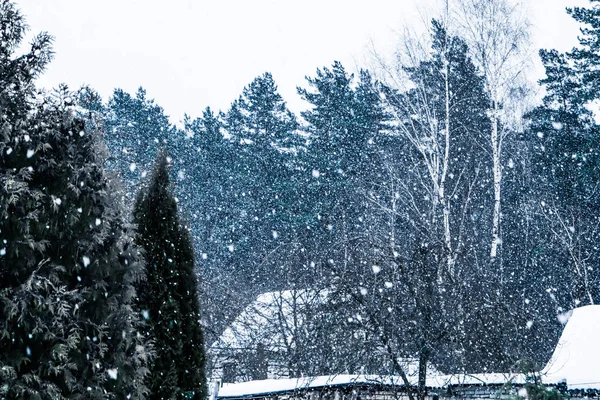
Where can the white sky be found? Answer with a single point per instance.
(190, 54)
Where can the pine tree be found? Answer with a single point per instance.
(586, 57)
(67, 263)
(135, 128)
(168, 297)
(267, 118)
(563, 133)
(258, 164)
(566, 157)
(342, 161)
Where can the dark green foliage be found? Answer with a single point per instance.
(564, 134)
(534, 387)
(18, 73)
(243, 161)
(345, 124)
(67, 263)
(168, 298)
(266, 119)
(586, 57)
(135, 128)
(565, 144)
(343, 158)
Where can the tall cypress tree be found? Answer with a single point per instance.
(67, 264)
(169, 298)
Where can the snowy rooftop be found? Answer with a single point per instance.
(575, 358)
(268, 386)
(267, 318)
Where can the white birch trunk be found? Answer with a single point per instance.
(497, 170)
(446, 202)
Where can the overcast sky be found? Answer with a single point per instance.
(190, 54)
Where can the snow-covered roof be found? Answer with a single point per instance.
(269, 319)
(575, 358)
(266, 386)
(442, 381)
(434, 380)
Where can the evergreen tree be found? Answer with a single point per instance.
(135, 128)
(267, 118)
(586, 57)
(564, 138)
(564, 133)
(243, 161)
(259, 162)
(343, 158)
(67, 263)
(168, 298)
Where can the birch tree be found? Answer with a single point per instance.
(411, 278)
(497, 34)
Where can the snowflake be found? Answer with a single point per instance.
(112, 373)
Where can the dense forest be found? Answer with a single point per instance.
(447, 209)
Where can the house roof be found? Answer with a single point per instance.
(270, 386)
(269, 319)
(575, 358)
(434, 380)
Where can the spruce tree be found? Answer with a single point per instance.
(135, 128)
(343, 158)
(67, 264)
(168, 298)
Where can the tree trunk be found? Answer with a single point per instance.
(497, 170)
(422, 385)
(446, 202)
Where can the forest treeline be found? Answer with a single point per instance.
(476, 207)
(446, 213)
